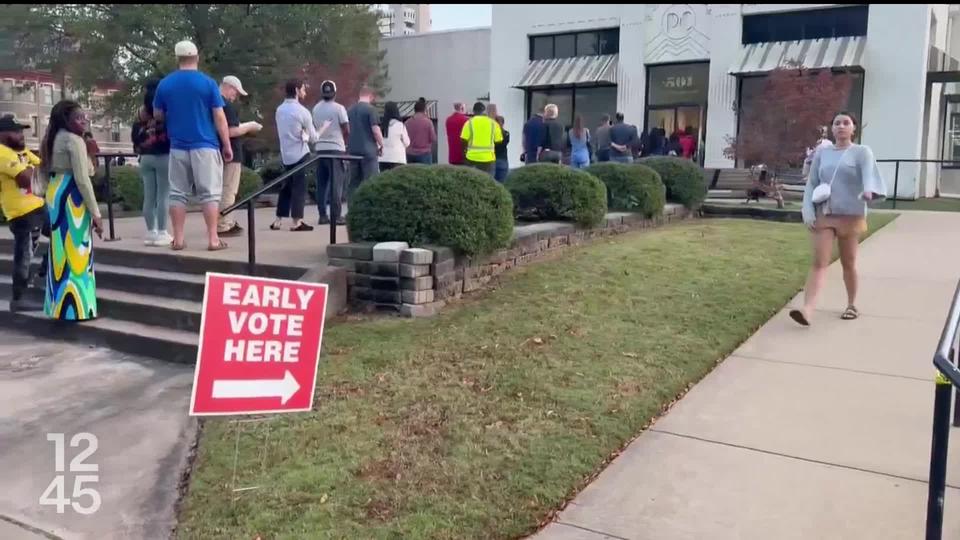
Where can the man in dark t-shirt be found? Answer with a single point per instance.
(231, 89)
(366, 140)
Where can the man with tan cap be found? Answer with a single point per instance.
(191, 107)
(231, 89)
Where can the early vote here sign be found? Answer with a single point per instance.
(259, 346)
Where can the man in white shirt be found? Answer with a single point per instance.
(330, 119)
(296, 131)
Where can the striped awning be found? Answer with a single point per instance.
(570, 71)
(406, 108)
(842, 52)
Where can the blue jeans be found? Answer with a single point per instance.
(331, 174)
(425, 159)
(501, 169)
(621, 159)
(580, 160)
(156, 190)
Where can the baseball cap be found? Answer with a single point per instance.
(9, 123)
(328, 89)
(185, 48)
(235, 82)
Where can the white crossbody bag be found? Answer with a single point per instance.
(822, 192)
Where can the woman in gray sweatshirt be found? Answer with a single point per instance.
(851, 172)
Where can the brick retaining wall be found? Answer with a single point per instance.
(417, 282)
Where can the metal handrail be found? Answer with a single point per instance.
(896, 171)
(948, 377)
(108, 158)
(250, 200)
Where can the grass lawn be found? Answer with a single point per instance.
(481, 422)
(939, 204)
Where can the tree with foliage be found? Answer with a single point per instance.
(263, 44)
(784, 120)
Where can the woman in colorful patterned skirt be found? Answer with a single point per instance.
(72, 206)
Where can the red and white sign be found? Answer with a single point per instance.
(259, 346)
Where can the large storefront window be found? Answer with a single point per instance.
(677, 100)
(591, 102)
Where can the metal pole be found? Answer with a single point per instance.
(956, 402)
(938, 458)
(334, 216)
(896, 183)
(109, 197)
(251, 239)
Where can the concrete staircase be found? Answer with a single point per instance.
(149, 303)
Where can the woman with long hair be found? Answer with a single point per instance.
(843, 179)
(501, 167)
(395, 138)
(579, 138)
(71, 293)
(150, 141)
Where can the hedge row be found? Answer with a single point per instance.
(547, 191)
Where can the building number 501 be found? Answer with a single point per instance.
(55, 494)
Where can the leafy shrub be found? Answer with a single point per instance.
(250, 181)
(457, 207)
(682, 177)
(633, 188)
(126, 185)
(271, 169)
(550, 191)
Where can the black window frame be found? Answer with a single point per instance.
(607, 42)
(824, 23)
(528, 97)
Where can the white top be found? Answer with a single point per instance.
(295, 129)
(395, 143)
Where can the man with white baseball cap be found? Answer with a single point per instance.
(231, 88)
(191, 107)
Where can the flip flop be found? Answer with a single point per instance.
(799, 317)
(301, 227)
(220, 246)
(175, 247)
(850, 313)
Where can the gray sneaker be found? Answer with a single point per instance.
(25, 304)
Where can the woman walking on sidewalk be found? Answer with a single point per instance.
(843, 178)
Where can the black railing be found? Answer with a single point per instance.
(896, 171)
(948, 376)
(250, 201)
(108, 158)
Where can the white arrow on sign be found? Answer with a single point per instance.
(283, 388)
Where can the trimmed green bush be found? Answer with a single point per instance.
(547, 191)
(457, 207)
(271, 169)
(250, 181)
(632, 188)
(126, 185)
(682, 178)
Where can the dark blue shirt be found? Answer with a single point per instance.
(187, 99)
(534, 132)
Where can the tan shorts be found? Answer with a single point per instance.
(842, 226)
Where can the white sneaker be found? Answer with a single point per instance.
(150, 239)
(163, 239)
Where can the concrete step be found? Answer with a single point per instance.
(169, 261)
(126, 306)
(162, 283)
(125, 336)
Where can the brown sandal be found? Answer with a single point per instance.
(221, 245)
(175, 247)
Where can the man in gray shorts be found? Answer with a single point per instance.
(196, 142)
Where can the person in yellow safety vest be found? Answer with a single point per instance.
(479, 136)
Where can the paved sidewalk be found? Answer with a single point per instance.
(802, 433)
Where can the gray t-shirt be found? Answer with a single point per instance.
(850, 172)
(332, 138)
(363, 117)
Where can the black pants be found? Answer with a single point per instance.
(331, 177)
(384, 166)
(293, 193)
(26, 231)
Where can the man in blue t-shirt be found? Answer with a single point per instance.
(190, 104)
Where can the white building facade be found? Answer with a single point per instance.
(442, 67)
(679, 66)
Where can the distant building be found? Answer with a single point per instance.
(404, 19)
(30, 95)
